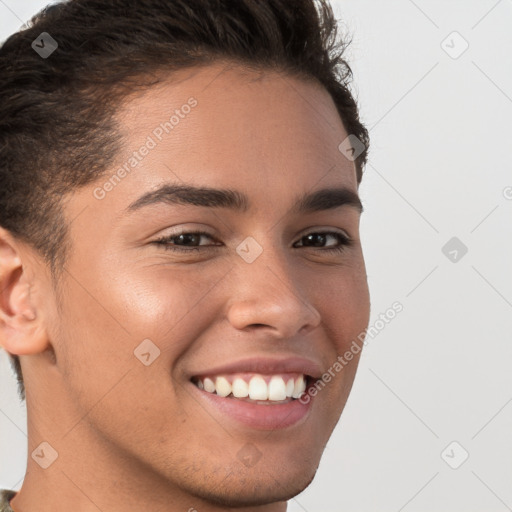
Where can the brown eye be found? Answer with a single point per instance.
(186, 242)
(321, 238)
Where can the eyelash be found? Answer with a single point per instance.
(343, 239)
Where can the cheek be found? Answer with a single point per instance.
(98, 344)
(345, 307)
(169, 307)
(345, 311)
(161, 301)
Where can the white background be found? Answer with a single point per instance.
(439, 168)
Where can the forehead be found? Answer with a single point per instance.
(268, 135)
(228, 87)
(256, 121)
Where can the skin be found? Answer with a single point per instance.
(131, 436)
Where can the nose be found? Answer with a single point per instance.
(270, 294)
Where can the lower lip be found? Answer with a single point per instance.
(262, 417)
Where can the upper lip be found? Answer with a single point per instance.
(265, 365)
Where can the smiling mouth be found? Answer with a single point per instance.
(254, 387)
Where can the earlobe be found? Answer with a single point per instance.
(21, 327)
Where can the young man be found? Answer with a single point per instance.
(180, 262)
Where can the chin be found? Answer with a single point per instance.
(256, 487)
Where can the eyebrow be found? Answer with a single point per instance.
(309, 202)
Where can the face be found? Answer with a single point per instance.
(258, 278)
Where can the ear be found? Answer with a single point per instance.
(22, 330)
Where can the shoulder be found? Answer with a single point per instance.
(5, 497)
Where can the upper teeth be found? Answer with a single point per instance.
(258, 387)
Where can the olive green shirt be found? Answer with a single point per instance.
(5, 497)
